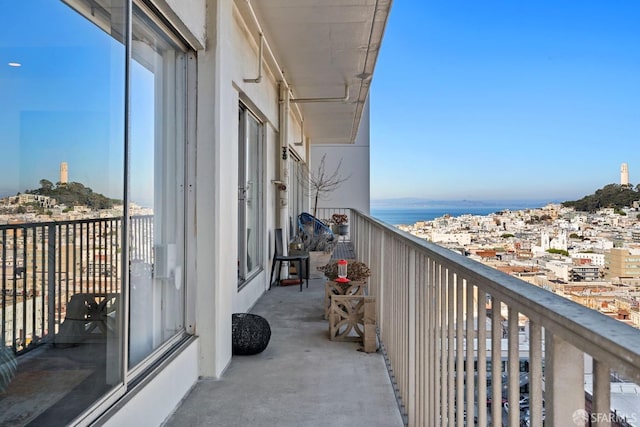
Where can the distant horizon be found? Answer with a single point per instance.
(424, 203)
(414, 202)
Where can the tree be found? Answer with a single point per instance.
(321, 182)
(611, 195)
(558, 251)
(46, 185)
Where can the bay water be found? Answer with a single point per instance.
(411, 215)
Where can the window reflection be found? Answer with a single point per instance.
(63, 231)
(60, 227)
(250, 190)
(158, 105)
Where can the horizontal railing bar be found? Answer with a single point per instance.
(67, 222)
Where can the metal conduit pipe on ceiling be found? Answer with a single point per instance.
(284, 108)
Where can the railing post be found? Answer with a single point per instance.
(451, 344)
(433, 344)
(496, 361)
(535, 374)
(51, 282)
(564, 382)
(411, 332)
(482, 357)
(469, 350)
(460, 336)
(601, 399)
(380, 302)
(513, 369)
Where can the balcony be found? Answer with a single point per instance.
(60, 291)
(431, 305)
(43, 265)
(430, 302)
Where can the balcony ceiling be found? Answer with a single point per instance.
(321, 46)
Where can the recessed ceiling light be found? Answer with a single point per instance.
(15, 64)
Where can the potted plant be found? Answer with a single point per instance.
(357, 272)
(319, 246)
(341, 220)
(331, 224)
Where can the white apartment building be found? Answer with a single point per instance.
(457, 238)
(594, 258)
(560, 269)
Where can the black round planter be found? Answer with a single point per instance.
(250, 333)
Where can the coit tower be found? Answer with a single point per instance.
(624, 174)
(64, 173)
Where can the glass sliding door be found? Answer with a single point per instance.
(62, 115)
(92, 189)
(250, 189)
(156, 187)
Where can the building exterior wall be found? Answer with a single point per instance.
(355, 191)
(594, 258)
(223, 66)
(622, 263)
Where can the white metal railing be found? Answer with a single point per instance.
(44, 264)
(431, 302)
(325, 214)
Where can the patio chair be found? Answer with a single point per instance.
(279, 257)
(317, 227)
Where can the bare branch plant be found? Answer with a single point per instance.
(320, 182)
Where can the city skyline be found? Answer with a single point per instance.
(517, 100)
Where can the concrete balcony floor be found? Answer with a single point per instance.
(301, 379)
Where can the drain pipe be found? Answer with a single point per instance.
(301, 142)
(345, 98)
(283, 197)
(259, 78)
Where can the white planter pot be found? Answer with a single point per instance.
(317, 259)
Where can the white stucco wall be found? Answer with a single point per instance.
(230, 58)
(155, 398)
(354, 192)
(188, 17)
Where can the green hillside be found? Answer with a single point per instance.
(74, 194)
(610, 196)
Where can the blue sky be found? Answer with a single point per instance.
(498, 100)
(506, 100)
